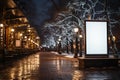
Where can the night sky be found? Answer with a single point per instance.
(39, 11)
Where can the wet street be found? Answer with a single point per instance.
(51, 66)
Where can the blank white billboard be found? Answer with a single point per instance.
(96, 38)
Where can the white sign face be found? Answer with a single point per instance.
(96, 38)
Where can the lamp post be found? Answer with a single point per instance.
(71, 46)
(113, 45)
(80, 36)
(76, 42)
(12, 35)
(59, 45)
(37, 41)
(1, 36)
(1, 25)
(3, 41)
(67, 45)
(21, 40)
(24, 41)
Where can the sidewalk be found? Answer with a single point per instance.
(53, 66)
(71, 55)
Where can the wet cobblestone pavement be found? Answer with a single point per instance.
(50, 66)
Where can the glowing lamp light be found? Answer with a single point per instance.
(75, 29)
(29, 30)
(114, 38)
(57, 42)
(80, 36)
(59, 39)
(28, 26)
(1, 25)
(25, 37)
(12, 30)
(21, 34)
(29, 39)
(37, 37)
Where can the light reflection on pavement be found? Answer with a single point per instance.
(50, 66)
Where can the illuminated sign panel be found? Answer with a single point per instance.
(18, 43)
(96, 38)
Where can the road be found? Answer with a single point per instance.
(51, 66)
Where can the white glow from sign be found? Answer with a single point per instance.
(96, 37)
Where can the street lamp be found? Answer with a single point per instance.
(59, 45)
(1, 36)
(37, 41)
(21, 34)
(12, 30)
(76, 42)
(76, 30)
(25, 37)
(1, 25)
(114, 38)
(112, 43)
(80, 36)
(67, 45)
(12, 38)
(71, 46)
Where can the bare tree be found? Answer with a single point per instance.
(77, 12)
